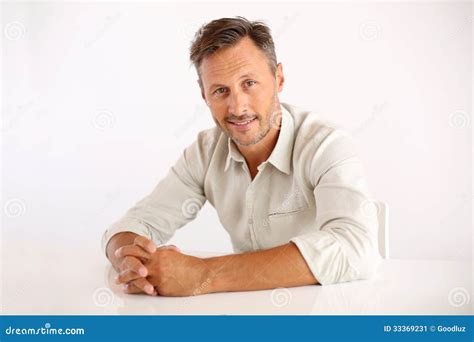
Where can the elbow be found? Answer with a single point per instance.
(368, 268)
(339, 256)
(368, 262)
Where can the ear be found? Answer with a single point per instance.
(280, 78)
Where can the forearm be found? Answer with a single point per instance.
(117, 241)
(282, 266)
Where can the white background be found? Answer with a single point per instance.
(99, 100)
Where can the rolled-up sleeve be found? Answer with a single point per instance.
(342, 244)
(175, 201)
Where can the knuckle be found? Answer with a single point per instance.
(133, 283)
(123, 264)
(126, 261)
(131, 264)
(134, 268)
(140, 283)
(138, 240)
(123, 275)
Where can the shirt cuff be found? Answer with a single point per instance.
(133, 226)
(328, 262)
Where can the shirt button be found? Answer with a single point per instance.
(250, 221)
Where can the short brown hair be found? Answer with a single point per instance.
(227, 32)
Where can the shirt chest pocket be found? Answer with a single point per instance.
(284, 223)
(291, 205)
(285, 219)
(288, 212)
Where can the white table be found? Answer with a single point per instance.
(50, 279)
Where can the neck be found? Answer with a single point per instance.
(256, 154)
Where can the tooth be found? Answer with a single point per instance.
(243, 123)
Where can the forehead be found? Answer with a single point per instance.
(231, 62)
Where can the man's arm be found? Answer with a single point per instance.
(282, 266)
(173, 202)
(175, 274)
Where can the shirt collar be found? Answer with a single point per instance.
(233, 153)
(283, 150)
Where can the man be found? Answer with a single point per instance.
(289, 189)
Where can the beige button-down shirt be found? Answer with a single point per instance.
(311, 191)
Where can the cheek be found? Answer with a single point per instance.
(261, 100)
(218, 118)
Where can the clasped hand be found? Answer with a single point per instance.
(164, 271)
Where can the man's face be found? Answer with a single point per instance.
(242, 92)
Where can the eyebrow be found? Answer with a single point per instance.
(247, 75)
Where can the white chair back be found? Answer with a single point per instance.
(382, 215)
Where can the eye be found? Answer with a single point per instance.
(219, 90)
(250, 83)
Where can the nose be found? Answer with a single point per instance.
(237, 103)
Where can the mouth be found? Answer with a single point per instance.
(242, 125)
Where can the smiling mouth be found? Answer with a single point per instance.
(241, 123)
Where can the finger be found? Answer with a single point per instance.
(133, 264)
(172, 247)
(126, 276)
(131, 288)
(145, 243)
(143, 285)
(132, 250)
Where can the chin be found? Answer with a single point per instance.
(245, 142)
